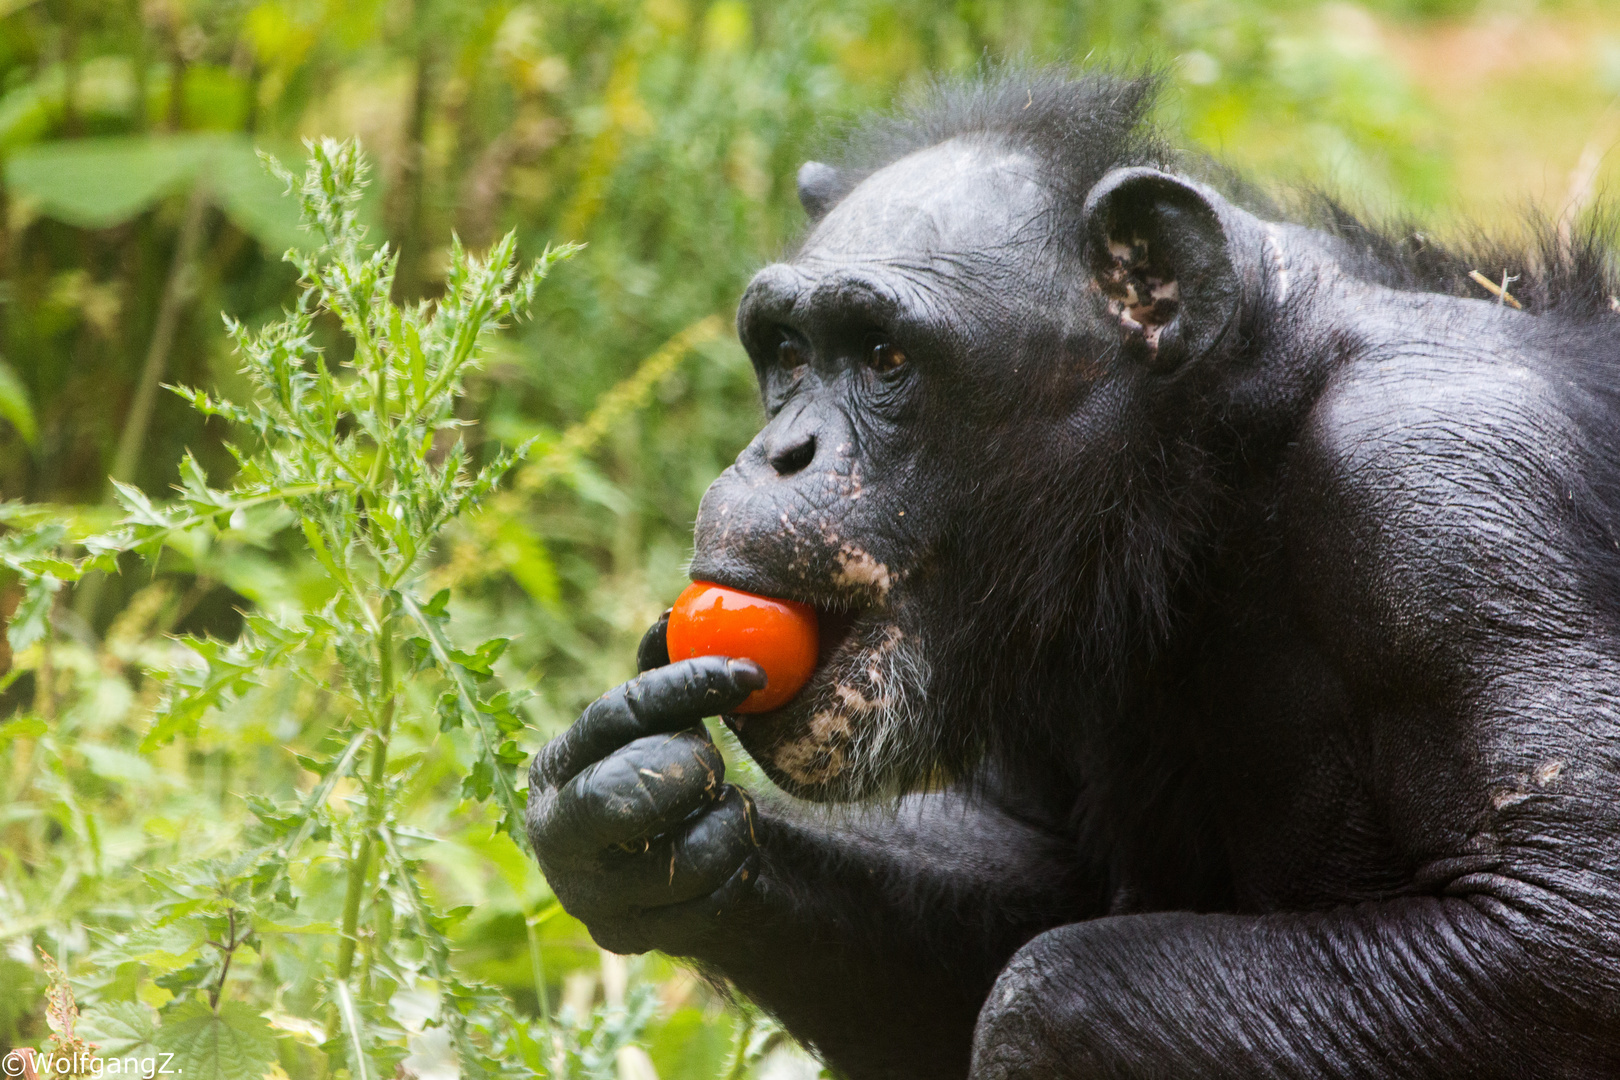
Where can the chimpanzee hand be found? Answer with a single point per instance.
(635, 830)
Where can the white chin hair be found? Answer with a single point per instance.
(866, 730)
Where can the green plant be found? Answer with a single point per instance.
(362, 458)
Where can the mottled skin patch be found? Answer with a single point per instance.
(1543, 775)
(1141, 299)
(848, 717)
(858, 570)
(821, 753)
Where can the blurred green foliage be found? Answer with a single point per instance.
(663, 133)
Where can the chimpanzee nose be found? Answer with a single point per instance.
(795, 452)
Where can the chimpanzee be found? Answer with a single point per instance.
(1221, 631)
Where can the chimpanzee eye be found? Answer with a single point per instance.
(885, 357)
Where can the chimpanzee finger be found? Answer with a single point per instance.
(653, 652)
(662, 700)
(641, 790)
(673, 926)
(690, 861)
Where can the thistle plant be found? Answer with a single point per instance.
(362, 457)
(358, 455)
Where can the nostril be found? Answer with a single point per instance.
(791, 459)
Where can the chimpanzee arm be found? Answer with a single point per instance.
(874, 936)
(1500, 958)
(876, 939)
(1496, 976)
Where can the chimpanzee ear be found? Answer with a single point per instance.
(818, 186)
(1161, 252)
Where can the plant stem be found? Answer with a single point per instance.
(176, 291)
(538, 967)
(45, 681)
(229, 949)
(739, 1057)
(378, 946)
(351, 908)
(360, 868)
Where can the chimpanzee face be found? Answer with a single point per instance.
(931, 336)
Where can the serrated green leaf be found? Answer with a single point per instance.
(138, 506)
(121, 1029)
(201, 971)
(164, 948)
(112, 763)
(312, 536)
(450, 717)
(194, 483)
(234, 1044)
(61, 569)
(289, 921)
(31, 621)
(479, 781)
(481, 661)
(354, 1027)
(501, 784)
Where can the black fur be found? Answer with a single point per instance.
(1080, 127)
(1221, 629)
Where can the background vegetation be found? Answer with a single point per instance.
(665, 135)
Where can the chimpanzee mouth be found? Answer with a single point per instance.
(836, 738)
(834, 627)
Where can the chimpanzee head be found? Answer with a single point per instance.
(984, 373)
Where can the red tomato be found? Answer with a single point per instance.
(778, 635)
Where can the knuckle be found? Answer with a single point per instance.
(538, 780)
(671, 764)
(701, 763)
(543, 768)
(706, 678)
(668, 763)
(541, 817)
(609, 707)
(731, 810)
(611, 789)
(726, 832)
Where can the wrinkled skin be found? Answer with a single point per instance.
(1248, 627)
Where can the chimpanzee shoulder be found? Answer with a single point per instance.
(1438, 476)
